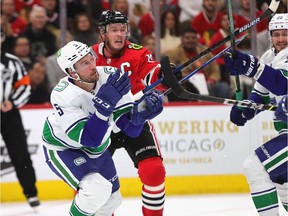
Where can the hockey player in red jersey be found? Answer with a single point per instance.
(117, 51)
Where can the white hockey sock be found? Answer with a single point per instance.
(283, 194)
(262, 189)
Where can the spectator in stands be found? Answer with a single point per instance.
(7, 37)
(123, 7)
(146, 23)
(43, 42)
(170, 31)
(54, 72)
(136, 10)
(53, 18)
(39, 84)
(23, 7)
(74, 8)
(84, 31)
(189, 9)
(208, 21)
(189, 48)
(218, 36)
(18, 24)
(93, 8)
(106, 4)
(22, 50)
(244, 16)
(222, 5)
(149, 42)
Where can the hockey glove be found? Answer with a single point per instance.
(149, 106)
(111, 92)
(161, 75)
(281, 113)
(241, 116)
(241, 64)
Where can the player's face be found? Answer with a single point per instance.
(86, 69)
(279, 39)
(116, 34)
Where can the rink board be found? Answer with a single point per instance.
(202, 152)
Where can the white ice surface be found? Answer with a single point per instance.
(196, 205)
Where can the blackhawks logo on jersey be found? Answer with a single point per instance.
(134, 46)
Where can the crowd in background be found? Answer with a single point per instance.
(31, 30)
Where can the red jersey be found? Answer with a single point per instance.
(19, 4)
(146, 24)
(18, 25)
(205, 27)
(135, 60)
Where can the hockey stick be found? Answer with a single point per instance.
(272, 8)
(179, 91)
(205, 64)
(232, 35)
(141, 93)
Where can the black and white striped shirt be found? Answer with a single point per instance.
(15, 82)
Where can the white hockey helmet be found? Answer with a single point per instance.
(71, 53)
(278, 21)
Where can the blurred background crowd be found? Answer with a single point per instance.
(31, 30)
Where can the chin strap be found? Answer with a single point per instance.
(80, 80)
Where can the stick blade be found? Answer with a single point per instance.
(169, 76)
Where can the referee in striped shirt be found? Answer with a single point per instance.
(14, 93)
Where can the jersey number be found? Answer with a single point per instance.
(59, 110)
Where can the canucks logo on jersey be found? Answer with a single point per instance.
(61, 86)
(79, 161)
(109, 70)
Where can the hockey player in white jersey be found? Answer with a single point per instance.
(266, 169)
(89, 103)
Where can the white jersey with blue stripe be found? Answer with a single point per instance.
(73, 106)
(279, 62)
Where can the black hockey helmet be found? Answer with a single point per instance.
(112, 16)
